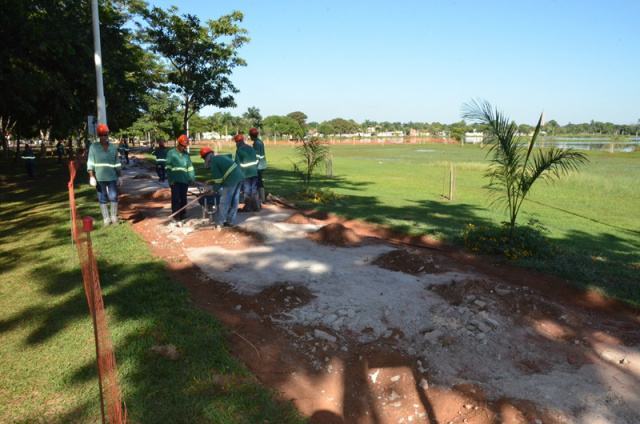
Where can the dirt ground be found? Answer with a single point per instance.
(478, 341)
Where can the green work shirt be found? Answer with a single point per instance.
(224, 172)
(160, 154)
(247, 161)
(179, 167)
(28, 156)
(104, 163)
(258, 146)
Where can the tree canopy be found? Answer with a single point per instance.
(48, 72)
(199, 58)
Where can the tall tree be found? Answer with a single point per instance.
(300, 117)
(253, 118)
(514, 168)
(200, 58)
(47, 65)
(275, 125)
(157, 122)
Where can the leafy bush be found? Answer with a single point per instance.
(322, 196)
(526, 242)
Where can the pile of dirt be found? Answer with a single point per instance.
(298, 218)
(403, 261)
(162, 194)
(335, 234)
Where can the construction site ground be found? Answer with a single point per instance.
(354, 324)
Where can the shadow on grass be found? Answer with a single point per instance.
(632, 233)
(145, 309)
(423, 216)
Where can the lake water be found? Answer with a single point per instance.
(598, 144)
(589, 144)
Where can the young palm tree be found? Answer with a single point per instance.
(311, 154)
(513, 168)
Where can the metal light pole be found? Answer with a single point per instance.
(100, 101)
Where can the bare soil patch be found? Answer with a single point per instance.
(533, 332)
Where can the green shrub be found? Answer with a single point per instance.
(322, 196)
(527, 241)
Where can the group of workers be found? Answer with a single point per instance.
(29, 158)
(230, 174)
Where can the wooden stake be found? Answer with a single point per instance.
(444, 182)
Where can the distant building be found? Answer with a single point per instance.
(473, 137)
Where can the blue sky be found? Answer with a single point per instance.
(420, 61)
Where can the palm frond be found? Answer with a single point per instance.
(512, 170)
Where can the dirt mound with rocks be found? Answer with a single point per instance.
(298, 218)
(335, 234)
(404, 261)
(162, 194)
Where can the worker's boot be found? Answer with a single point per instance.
(114, 214)
(104, 208)
(263, 199)
(255, 203)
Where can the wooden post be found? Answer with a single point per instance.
(330, 167)
(452, 197)
(444, 182)
(450, 183)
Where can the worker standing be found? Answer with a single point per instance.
(248, 162)
(60, 151)
(105, 175)
(258, 146)
(180, 174)
(126, 151)
(121, 151)
(227, 179)
(161, 161)
(29, 159)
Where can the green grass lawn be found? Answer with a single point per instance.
(592, 214)
(47, 353)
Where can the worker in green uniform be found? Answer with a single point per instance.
(227, 179)
(29, 159)
(248, 162)
(105, 175)
(161, 161)
(258, 146)
(180, 174)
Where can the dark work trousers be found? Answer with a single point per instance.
(260, 183)
(179, 199)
